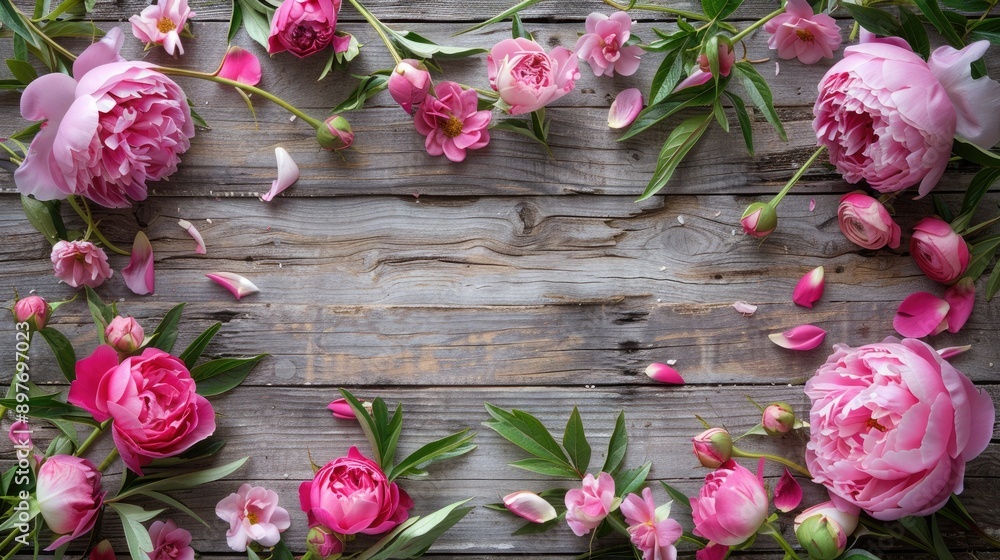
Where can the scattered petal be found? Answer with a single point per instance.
(138, 274)
(953, 351)
(195, 234)
(236, 284)
(530, 506)
(680, 219)
(810, 288)
(921, 314)
(240, 65)
(341, 409)
(803, 337)
(288, 173)
(777, 69)
(664, 374)
(960, 297)
(787, 493)
(745, 308)
(812, 204)
(625, 108)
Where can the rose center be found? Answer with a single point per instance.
(166, 25)
(452, 127)
(252, 517)
(805, 35)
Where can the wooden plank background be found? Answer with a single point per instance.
(513, 278)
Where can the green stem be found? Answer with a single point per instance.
(55, 46)
(656, 8)
(245, 87)
(795, 178)
(776, 535)
(854, 32)
(790, 464)
(10, 537)
(92, 438)
(379, 28)
(739, 36)
(895, 535)
(84, 212)
(485, 92)
(18, 546)
(108, 460)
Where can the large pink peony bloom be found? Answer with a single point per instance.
(865, 222)
(80, 263)
(731, 505)
(253, 515)
(69, 496)
(108, 132)
(303, 27)
(151, 400)
(892, 426)
(587, 507)
(650, 527)
(452, 122)
(799, 33)
(603, 45)
(351, 495)
(527, 78)
(170, 542)
(162, 23)
(941, 253)
(889, 118)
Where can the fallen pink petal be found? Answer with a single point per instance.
(745, 308)
(960, 298)
(341, 409)
(240, 65)
(236, 284)
(812, 204)
(787, 493)
(810, 288)
(803, 337)
(138, 274)
(195, 234)
(664, 374)
(921, 314)
(288, 173)
(953, 351)
(530, 506)
(625, 108)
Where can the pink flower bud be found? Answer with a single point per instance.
(32, 310)
(713, 447)
(69, 496)
(625, 108)
(778, 418)
(664, 374)
(810, 288)
(804, 337)
(336, 134)
(323, 543)
(103, 551)
(342, 409)
(865, 222)
(124, 334)
(530, 506)
(759, 220)
(823, 529)
(727, 57)
(409, 83)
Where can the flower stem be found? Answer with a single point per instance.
(55, 46)
(790, 464)
(379, 28)
(84, 212)
(912, 542)
(92, 438)
(18, 546)
(108, 460)
(776, 535)
(739, 36)
(657, 8)
(10, 537)
(795, 178)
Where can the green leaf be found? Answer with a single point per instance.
(547, 468)
(421, 47)
(166, 332)
(194, 350)
(24, 72)
(136, 535)
(979, 186)
(48, 406)
(914, 33)
(760, 94)
(575, 443)
(917, 526)
(689, 97)
(627, 482)
(368, 426)
(982, 253)
(669, 73)
(536, 528)
(101, 312)
(743, 117)
(987, 29)
(45, 217)
(256, 20)
(281, 551)
(218, 376)
(875, 20)
(432, 451)
(11, 19)
(74, 29)
(416, 537)
(524, 128)
(677, 496)
(857, 554)
(182, 481)
(720, 115)
(501, 16)
(63, 351)
(179, 506)
(936, 17)
(968, 5)
(939, 545)
(678, 144)
(517, 30)
(235, 21)
(527, 432)
(971, 152)
(369, 86)
(720, 9)
(617, 446)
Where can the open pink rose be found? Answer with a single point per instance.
(117, 126)
(731, 505)
(69, 496)
(603, 45)
(170, 542)
(940, 252)
(865, 222)
(150, 399)
(587, 507)
(451, 122)
(892, 426)
(650, 527)
(162, 23)
(799, 33)
(253, 515)
(303, 27)
(526, 77)
(351, 495)
(80, 263)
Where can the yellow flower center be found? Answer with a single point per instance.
(805, 35)
(165, 25)
(252, 518)
(453, 127)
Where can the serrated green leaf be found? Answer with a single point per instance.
(575, 443)
(136, 535)
(760, 94)
(971, 152)
(743, 118)
(194, 350)
(914, 33)
(45, 217)
(875, 20)
(63, 351)
(24, 72)
(368, 87)
(166, 332)
(681, 140)
(218, 376)
(430, 452)
(720, 9)
(617, 446)
(501, 16)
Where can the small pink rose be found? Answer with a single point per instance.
(303, 27)
(587, 507)
(865, 222)
(940, 252)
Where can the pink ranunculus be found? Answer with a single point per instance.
(116, 126)
(889, 118)
(170, 542)
(526, 77)
(451, 122)
(162, 23)
(586, 507)
(68, 491)
(893, 425)
(253, 515)
(351, 495)
(799, 33)
(702, 75)
(408, 84)
(603, 45)
(865, 222)
(32, 310)
(650, 527)
(731, 505)
(150, 399)
(940, 252)
(80, 263)
(303, 27)
(124, 334)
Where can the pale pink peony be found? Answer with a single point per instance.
(799, 33)
(587, 507)
(865, 222)
(527, 78)
(69, 496)
(451, 122)
(80, 263)
(162, 23)
(731, 505)
(603, 45)
(303, 27)
(650, 527)
(108, 132)
(170, 542)
(940, 252)
(892, 426)
(253, 516)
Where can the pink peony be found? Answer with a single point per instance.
(118, 125)
(799, 33)
(731, 505)
(650, 527)
(124, 334)
(351, 495)
(161, 24)
(303, 27)
(893, 425)
(527, 78)
(451, 122)
(588, 506)
(603, 45)
(888, 117)
(69, 496)
(32, 310)
(151, 400)
(170, 542)
(940, 252)
(80, 263)
(253, 516)
(865, 222)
